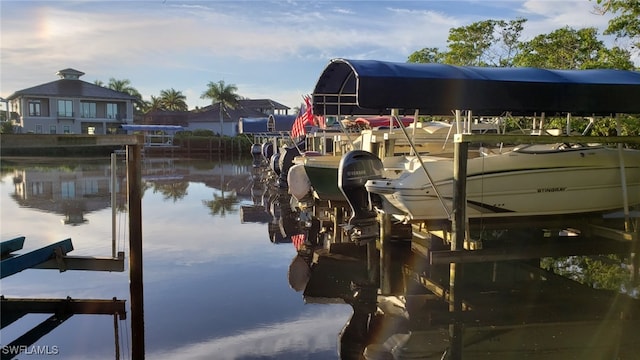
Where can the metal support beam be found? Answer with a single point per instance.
(9, 246)
(13, 349)
(91, 263)
(56, 306)
(529, 252)
(28, 260)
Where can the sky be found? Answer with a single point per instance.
(268, 49)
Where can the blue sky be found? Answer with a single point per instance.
(268, 49)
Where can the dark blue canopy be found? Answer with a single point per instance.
(350, 87)
(252, 125)
(281, 122)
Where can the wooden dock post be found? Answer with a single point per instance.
(134, 191)
(457, 241)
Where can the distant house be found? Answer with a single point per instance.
(165, 117)
(70, 106)
(208, 117)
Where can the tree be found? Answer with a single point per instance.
(174, 190)
(510, 33)
(483, 43)
(427, 55)
(6, 127)
(124, 86)
(173, 100)
(468, 44)
(225, 95)
(222, 204)
(154, 105)
(567, 48)
(627, 21)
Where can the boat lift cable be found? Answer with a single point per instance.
(413, 147)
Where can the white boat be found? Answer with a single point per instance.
(529, 180)
(320, 173)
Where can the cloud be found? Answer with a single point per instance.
(307, 335)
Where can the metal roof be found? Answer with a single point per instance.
(350, 87)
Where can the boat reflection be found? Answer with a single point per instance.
(403, 305)
(510, 309)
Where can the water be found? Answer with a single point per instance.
(214, 288)
(221, 281)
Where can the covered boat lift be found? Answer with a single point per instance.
(370, 87)
(360, 87)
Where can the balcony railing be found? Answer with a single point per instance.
(65, 114)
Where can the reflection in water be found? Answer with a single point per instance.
(401, 303)
(209, 294)
(202, 271)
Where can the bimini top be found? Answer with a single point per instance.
(351, 87)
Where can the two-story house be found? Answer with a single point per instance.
(71, 106)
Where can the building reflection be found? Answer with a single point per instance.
(69, 192)
(76, 188)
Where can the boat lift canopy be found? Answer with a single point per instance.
(360, 87)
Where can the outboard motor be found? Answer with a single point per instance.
(274, 163)
(267, 151)
(256, 154)
(286, 162)
(355, 169)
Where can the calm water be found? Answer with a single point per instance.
(222, 282)
(214, 287)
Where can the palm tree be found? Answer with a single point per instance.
(175, 190)
(173, 100)
(225, 95)
(222, 204)
(124, 86)
(154, 104)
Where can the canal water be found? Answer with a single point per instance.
(230, 273)
(215, 286)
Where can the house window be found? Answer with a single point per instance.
(38, 128)
(66, 130)
(37, 188)
(112, 111)
(52, 129)
(67, 189)
(34, 108)
(65, 108)
(91, 130)
(91, 187)
(88, 110)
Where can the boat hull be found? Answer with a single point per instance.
(517, 184)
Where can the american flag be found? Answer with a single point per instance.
(298, 240)
(305, 117)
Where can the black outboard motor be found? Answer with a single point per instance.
(286, 162)
(256, 154)
(356, 167)
(274, 163)
(267, 151)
